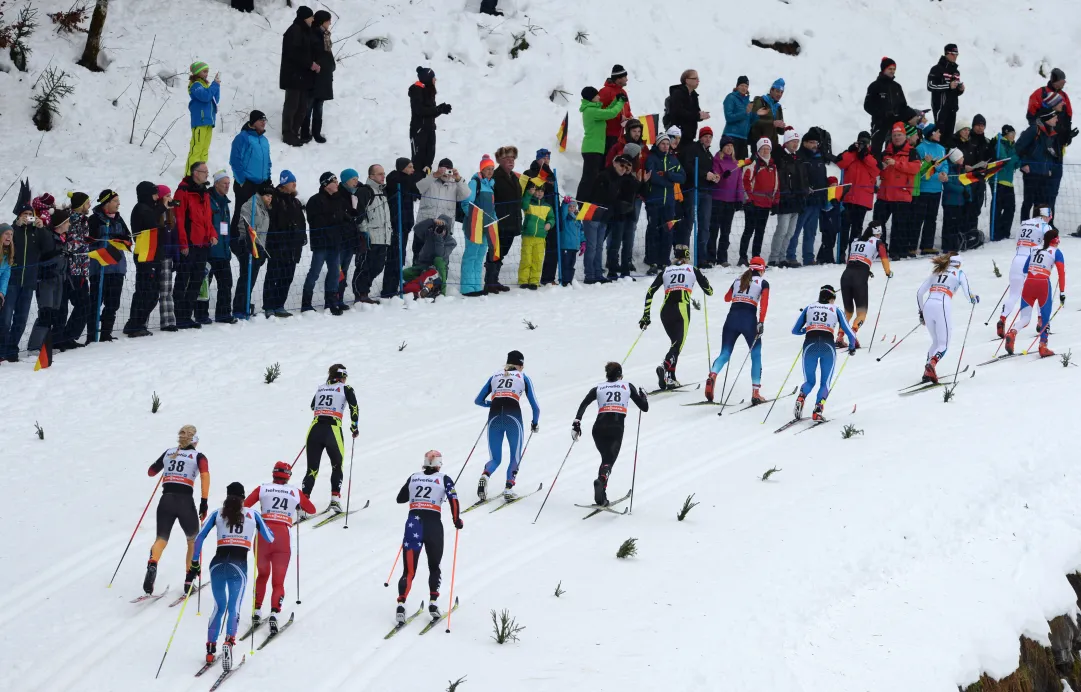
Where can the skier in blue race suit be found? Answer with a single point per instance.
(506, 388)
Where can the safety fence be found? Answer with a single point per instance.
(689, 227)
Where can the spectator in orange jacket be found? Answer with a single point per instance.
(861, 171)
(613, 87)
(900, 164)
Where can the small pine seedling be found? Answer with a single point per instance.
(850, 431)
(687, 507)
(947, 394)
(520, 44)
(1065, 357)
(629, 548)
(401, 346)
(155, 403)
(998, 274)
(529, 325)
(40, 430)
(452, 686)
(582, 37)
(504, 627)
(559, 589)
(272, 373)
(765, 476)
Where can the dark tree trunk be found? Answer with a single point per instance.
(93, 38)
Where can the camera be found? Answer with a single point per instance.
(172, 204)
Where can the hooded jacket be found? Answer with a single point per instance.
(861, 171)
(434, 244)
(624, 138)
(683, 111)
(898, 179)
(296, 65)
(438, 197)
(1037, 148)
(665, 171)
(146, 214)
(482, 194)
(194, 217)
(288, 229)
(595, 122)
(28, 243)
(737, 121)
(538, 214)
(377, 223)
(203, 101)
(250, 156)
(760, 182)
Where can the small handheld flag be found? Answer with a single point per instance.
(649, 128)
(474, 226)
(493, 239)
(254, 242)
(978, 174)
(743, 163)
(834, 192)
(587, 211)
(45, 356)
(111, 254)
(146, 245)
(561, 136)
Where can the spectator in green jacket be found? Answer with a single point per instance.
(594, 119)
(1005, 204)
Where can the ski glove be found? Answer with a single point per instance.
(726, 174)
(1062, 298)
(761, 328)
(356, 431)
(194, 567)
(203, 509)
(889, 274)
(642, 392)
(576, 430)
(458, 524)
(974, 300)
(535, 427)
(644, 322)
(921, 317)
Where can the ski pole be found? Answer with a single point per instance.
(738, 373)
(705, 311)
(349, 488)
(298, 455)
(298, 564)
(199, 595)
(453, 569)
(992, 315)
(880, 304)
(640, 333)
(838, 375)
(963, 342)
(170, 643)
(634, 468)
(254, 586)
(396, 556)
(798, 354)
(152, 494)
(472, 450)
(1040, 334)
(899, 342)
(553, 485)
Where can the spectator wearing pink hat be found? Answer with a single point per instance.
(169, 241)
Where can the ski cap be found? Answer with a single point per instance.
(433, 459)
(282, 471)
(235, 489)
(1045, 212)
(829, 289)
(516, 358)
(955, 261)
(758, 264)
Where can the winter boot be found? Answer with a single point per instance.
(227, 653)
(797, 411)
(756, 396)
(106, 329)
(272, 622)
(151, 574)
(433, 611)
(336, 310)
(600, 497)
(399, 614)
(817, 413)
(929, 374)
(482, 487)
(1011, 336)
(211, 652)
(711, 381)
(306, 301)
(367, 299)
(1044, 351)
(662, 383)
(1000, 328)
(335, 503)
(330, 300)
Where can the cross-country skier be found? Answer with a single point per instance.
(279, 503)
(678, 280)
(181, 465)
(505, 420)
(749, 295)
(936, 311)
(1029, 237)
(1038, 290)
(236, 527)
(817, 322)
(425, 491)
(329, 405)
(861, 257)
(612, 397)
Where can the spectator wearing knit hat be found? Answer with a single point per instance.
(146, 218)
(76, 288)
(323, 84)
(978, 152)
(51, 271)
(106, 281)
(665, 173)
(28, 231)
(771, 124)
(327, 214)
(944, 83)
(698, 192)
(203, 99)
(596, 118)
(296, 76)
(355, 198)
(401, 182)
(727, 200)
(482, 197)
(251, 253)
(285, 241)
(885, 102)
(614, 87)
(1036, 147)
(861, 171)
(220, 268)
(792, 187)
(250, 160)
(1004, 201)
(739, 116)
(423, 111)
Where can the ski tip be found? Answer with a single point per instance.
(366, 503)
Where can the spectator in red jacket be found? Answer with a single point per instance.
(613, 87)
(1051, 96)
(861, 172)
(760, 182)
(195, 226)
(900, 165)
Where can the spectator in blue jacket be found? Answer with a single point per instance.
(250, 161)
(664, 171)
(1036, 147)
(954, 197)
(203, 99)
(221, 271)
(738, 116)
(572, 240)
(926, 205)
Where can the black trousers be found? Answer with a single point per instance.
(392, 270)
(854, 288)
(741, 148)
(851, 225)
(429, 527)
(900, 241)
(276, 283)
(491, 267)
(186, 283)
(369, 265)
(324, 436)
(945, 122)
(829, 225)
(173, 507)
(974, 206)
(242, 296)
(76, 291)
(756, 218)
(146, 296)
(675, 319)
(1005, 205)
(422, 143)
(222, 272)
(551, 257)
(952, 223)
(720, 229)
(592, 164)
(294, 113)
(925, 224)
(608, 438)
(1037, 191)
(110, 289)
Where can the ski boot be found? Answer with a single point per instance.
(1044, 351)
(929, 374)
(662, 379)
(272, 622)
(817, 413)
(508, 493)
(756, 396)
(600, 497)
(301, 515)
(840, 343)
(227, 654)
(670, 376)
(1000, 328)
(211, 652)
(482, 487)
(1011, 336)
(797, 411)
(433, 611)
(711, 381)
(335, 503)
(257, 618)
(399, 614)
(151, 574)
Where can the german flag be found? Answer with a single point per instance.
(254, 242)
(930, 172)
(743, 163)
(111, 254)
(146, 245)
(474, 225)
(669, 225)
(561, 136)
(835, 192)
(587, 211)
(45, 356)
(493, 239)
(977, 174)
(649, 128)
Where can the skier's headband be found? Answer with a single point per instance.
(829, 289)
(1045, 212)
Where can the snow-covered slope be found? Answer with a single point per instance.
(909, 557)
